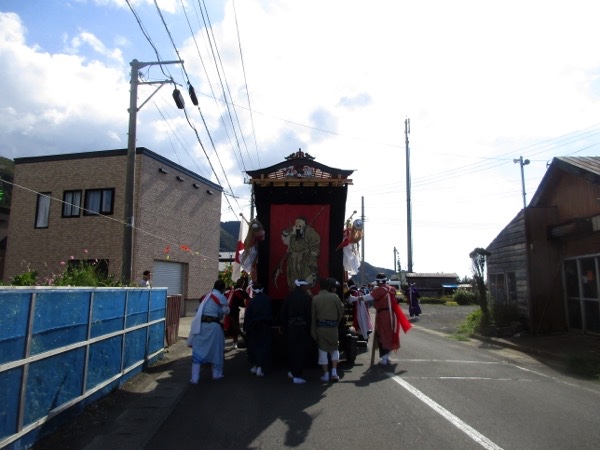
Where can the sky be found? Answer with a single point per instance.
(481, 83)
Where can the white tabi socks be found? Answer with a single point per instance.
(195, 373)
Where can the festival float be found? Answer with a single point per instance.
(300, 231)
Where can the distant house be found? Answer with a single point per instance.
(433, 284)
(72, 207)
(547, 259)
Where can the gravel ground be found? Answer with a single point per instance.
(442, 318)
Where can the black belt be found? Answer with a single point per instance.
(210, 319)
(328, 323)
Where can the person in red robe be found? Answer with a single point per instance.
(389, 318)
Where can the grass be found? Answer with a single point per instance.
(469, 327)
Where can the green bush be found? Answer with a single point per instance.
(84, 273)
(28, 278)
(464, 297)
(470, 326)
(432, 300)
(73, 273)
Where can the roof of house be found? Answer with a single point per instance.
(431, 275)
(119, 152)
(586, 167)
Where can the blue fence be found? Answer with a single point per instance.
(62, 348)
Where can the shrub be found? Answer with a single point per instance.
(28, 278)
(471, 325)
(464, 297)
(75, 273)
(432, 300)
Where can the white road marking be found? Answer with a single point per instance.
(458, 423)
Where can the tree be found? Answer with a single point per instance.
(478, 258)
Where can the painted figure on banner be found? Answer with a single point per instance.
(303, 249)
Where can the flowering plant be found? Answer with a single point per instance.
(75, 272)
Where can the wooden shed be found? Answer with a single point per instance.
(547, 259)
(433, 284)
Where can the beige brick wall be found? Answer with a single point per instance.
(169, 214)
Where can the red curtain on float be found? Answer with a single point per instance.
(298, 244)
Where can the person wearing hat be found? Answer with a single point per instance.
(327, 314)
(389, 318)
(258, 319)
(295, 317)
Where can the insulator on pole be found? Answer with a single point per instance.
(178, 98)
(192, 93)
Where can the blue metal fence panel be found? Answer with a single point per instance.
(104, 361)
(10, 401)
(60, 318)
(14, 316)
(63, 347)
(108, 312)
(52, 382)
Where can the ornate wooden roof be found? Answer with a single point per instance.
(300, 169)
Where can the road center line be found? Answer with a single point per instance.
(458, 423)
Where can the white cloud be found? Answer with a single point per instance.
(56, 100)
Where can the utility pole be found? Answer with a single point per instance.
(522, 162)
(408, 206)
(395, 260)
(126, 270)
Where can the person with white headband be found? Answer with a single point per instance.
(294, 317)
(258, 319)
(327, 313)
(206, 337)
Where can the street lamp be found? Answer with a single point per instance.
(522, 162)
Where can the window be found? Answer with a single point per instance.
(42, 211)
(99, 201)
(71, 203)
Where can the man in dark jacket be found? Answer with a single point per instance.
(295, 320)
(258, 319)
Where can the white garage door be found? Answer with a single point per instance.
(170, 275)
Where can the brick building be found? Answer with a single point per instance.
(72, 206)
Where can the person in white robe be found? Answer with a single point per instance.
(207, 337)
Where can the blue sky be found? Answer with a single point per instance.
(482, 83)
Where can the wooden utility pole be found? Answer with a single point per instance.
(127, 266)
(408, 206)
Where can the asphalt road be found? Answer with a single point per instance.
(440, 393)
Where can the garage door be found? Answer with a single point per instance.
(170, 275)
